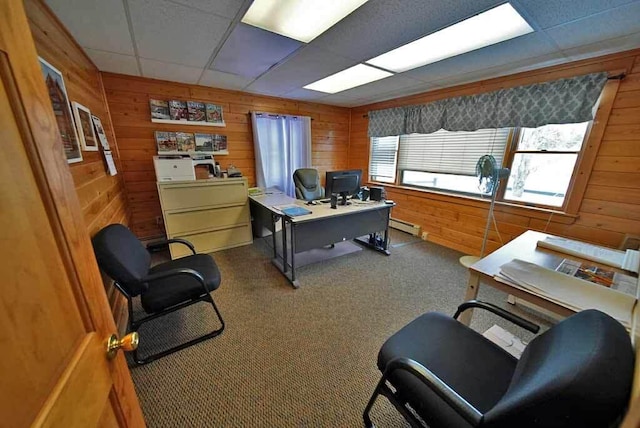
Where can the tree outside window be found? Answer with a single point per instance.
(543, 162)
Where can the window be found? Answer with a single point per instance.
(542, 161)
(447, 160)
(383, 158)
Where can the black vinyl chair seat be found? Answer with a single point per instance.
(576, 374)
(476, 368)
(167, 292)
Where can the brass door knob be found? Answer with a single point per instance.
(127, 343)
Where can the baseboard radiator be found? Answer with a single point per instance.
(404, 226)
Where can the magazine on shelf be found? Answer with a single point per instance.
(598, 275)
(166, 141)
(197, 112)
(219, 142)
(178, 110)
(186, 142)
(204, 143)
(159, 109)
(214, 113)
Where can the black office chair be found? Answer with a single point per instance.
(307, 184)
(576, 374)
(163, 288)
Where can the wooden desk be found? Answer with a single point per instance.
(524, 247)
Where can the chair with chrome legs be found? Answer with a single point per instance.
(438, 371)
(163, 288)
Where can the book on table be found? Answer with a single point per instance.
(293, 210)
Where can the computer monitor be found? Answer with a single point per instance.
(343, 183)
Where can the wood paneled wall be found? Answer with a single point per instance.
(611, 204)
(101, 196)
(128, 99)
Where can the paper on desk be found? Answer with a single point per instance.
(568, 291)
(584, 250)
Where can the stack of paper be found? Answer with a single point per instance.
(628, 260)
(570, 292)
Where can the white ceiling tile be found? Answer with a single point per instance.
(168, 71)
(381, 25)
(96, 24)
(260, 50)
(174, 33)
(304, 94)
(225, 8)
(175, 40)
(502, 70)
(341, 101)
(394, 83)
(614, 23)
(422, 87)
(306, 66)
(114, 63)
(523, 47)
(550, 13)
(218, 79)
(605, 47)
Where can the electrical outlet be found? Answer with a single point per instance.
(424, 236)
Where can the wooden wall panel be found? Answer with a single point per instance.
(128, 99)
(611, 204)
(102, 197)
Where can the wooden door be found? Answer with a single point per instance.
(54, 314)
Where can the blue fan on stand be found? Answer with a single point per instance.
(489, 176)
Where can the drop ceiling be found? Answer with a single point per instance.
(203, 42)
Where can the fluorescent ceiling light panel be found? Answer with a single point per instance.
(347, 79)
(493, 26)
(302, 20)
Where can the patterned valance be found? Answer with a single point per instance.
(561, 101)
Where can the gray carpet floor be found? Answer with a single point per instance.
(298, 358)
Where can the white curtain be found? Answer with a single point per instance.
(282, 144)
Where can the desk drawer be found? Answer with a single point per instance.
(184, 196)
(184, 222)
(207, 242)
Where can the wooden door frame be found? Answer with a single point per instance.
(44, 148)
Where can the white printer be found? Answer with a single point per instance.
(180, 167)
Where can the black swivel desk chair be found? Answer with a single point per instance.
(307, 184)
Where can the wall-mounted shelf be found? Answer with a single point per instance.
(186, 122)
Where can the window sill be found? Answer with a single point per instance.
(501, 206)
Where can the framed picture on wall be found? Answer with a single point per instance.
(64, 118)
(102, 136)
(85, 127)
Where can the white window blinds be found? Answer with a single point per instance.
(450, 152)
(383, 157)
